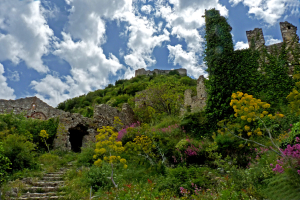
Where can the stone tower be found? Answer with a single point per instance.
(258, 37)
(288, 32)
(198, 102)
(201, 92)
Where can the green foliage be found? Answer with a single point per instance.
(174, 72)
(85, 158)
(163, 96)
(131, 133)
(196, 124)
(283, 186)
(19, 151)
(96, 177)
(30, 128)
(4, 165)
(184, 177)
(188, 81)
(295, 132)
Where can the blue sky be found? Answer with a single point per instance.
(60, 49)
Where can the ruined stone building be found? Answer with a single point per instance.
(289, 36)
(196, 103)
(74, 131)
(142, 71)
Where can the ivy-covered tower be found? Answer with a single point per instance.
(219, 39)
(218, 58)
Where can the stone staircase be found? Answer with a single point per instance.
(48, 187)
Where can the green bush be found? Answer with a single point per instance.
(295, 132)
(4, 165)
(196, 124)
(184, 177)
(85, 158)
(188, 81)
(96, 177)
(19, 151)
(229, 146)
(174, 72)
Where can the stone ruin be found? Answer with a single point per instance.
(289, 36)
(142, 71)
(74, 131)
(196, 103)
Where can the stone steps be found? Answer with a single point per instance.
(47, 187)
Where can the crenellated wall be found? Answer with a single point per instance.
(289, 34)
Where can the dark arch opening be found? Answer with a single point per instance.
(76, 136)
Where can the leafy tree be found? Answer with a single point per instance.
(174, 72)
(164, 96)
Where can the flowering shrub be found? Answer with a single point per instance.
(291, 158)
(291, 139)
(43, 134)
(123, 132)
(189, 151)
(107, 145)
(146, 147)
(249, 109)
(168, 129)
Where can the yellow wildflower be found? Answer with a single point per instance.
(261, 116)
(243, 117)
(265, 112)
(259, 133)
(123, 161)
(247, 128)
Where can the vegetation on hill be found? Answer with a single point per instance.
(124, 91)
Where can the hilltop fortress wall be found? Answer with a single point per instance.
(142, 71)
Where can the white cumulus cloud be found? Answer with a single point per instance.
(147, 9)
(25, 33)
(269, 40)
(241, 45)
(81, 48)
(270, 11)
(184, 19)
(187, 60)
(6, 92)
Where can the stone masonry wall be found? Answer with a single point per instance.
(198, 102)
(288, 32)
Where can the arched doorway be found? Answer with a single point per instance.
(76, 136)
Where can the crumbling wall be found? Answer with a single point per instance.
(32, 107)
(196, 103)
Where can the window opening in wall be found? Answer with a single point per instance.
(76, 136)
(289, 27)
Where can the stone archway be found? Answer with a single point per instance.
(76, 135)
